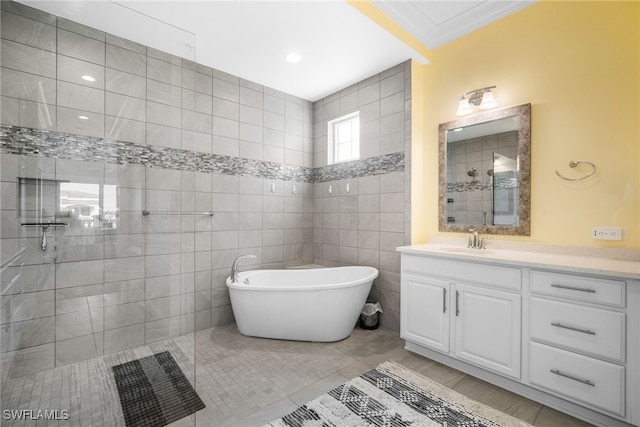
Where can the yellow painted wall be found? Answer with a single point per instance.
(577, 63)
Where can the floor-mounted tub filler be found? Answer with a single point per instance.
(318, 304)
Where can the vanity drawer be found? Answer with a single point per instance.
(585, 329)
(602, 291)
(452, 271)
(577, 377)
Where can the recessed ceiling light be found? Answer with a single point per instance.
(88, 78)
(293, 57)
(83, 117)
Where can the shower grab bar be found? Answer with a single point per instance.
(45, 226)
(147, 213)
(573, 164)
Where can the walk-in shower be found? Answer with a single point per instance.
(95, 129)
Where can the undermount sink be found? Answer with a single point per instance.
(475, 251)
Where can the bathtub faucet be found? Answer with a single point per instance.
(234, 267)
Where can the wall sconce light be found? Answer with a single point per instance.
(482, 98)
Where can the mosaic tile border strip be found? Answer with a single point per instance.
(461, 187)
(33, 142)
(379, 165)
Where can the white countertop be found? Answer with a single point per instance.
(571, 263)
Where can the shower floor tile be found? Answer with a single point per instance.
(245, 381)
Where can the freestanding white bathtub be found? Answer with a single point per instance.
(319, 304)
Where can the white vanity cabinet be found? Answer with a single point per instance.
(577, 338)
(448, 306)
(564, 331)
(424, 311)
(479, 310)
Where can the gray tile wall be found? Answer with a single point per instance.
(157, 276)
(364, 225)
(162, 275)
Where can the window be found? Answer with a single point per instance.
(344, 138)
(94, 205)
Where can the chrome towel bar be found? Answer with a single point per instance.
(146, 213)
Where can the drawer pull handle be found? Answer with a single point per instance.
(457, 303)
(573, 328)
(571, 377)
(573, 288)
(444, 300)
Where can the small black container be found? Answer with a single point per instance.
(370, 321)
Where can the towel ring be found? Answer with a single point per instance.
(573, 164)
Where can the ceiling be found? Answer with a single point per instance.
(339, 45)
(436, 22)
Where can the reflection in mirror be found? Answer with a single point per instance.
(485, 172)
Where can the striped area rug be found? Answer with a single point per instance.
(394, 396)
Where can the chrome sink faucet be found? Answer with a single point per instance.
(234, 267)
(475, 241)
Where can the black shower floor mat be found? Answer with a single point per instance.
(154, 391)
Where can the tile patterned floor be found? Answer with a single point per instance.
(248, 381)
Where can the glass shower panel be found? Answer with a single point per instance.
(28, 266)
(505, 190)
(97, 214)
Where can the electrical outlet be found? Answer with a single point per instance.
(607, 233)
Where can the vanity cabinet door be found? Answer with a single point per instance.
(424, 311)
(488, 328)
